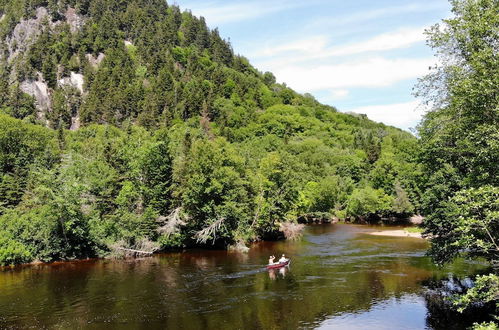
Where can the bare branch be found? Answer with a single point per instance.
(292, 231)
(205, 234)
(171, 224)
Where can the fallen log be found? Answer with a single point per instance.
(134, 251)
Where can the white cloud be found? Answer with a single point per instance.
(218, 12)
(368, 15)
(373, 72)
(337, 94)
(314, 48)
(310, 45)
(386, 41)
(403, 115)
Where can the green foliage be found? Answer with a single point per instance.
(459, 148)
(401, 203)
(110, 186)
(12, 252)
(214, 187)
(459, 136)
(368, 201)
(485, 290)
(467, 223)
(94, 196)
(175, 240)
(21, 147)
(275, 187)
(330, 193)
(485, 326)
(17, 104)
(462, 128)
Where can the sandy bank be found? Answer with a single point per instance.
(396, 233)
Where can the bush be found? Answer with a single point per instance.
(368, 201)
(12, 252)
(485, 326)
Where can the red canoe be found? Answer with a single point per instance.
(278, 265)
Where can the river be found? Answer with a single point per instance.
(340, 277)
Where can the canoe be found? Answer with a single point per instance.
(278, 264)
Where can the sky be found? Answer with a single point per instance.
(360, 56)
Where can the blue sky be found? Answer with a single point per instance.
(360, 55)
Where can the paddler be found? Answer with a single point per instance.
(271, 260)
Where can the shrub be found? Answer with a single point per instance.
(12, 252)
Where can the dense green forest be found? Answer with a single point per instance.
(172, 140)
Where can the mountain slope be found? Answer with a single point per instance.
(142, 61)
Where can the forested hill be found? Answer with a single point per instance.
(130, 124)
(112, 62)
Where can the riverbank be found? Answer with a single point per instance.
(397, 233)
(238, 247)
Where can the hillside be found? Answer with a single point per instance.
(130, 124)
(114, 61)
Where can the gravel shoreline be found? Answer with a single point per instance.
(396, 233)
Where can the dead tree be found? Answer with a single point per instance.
(206, 233)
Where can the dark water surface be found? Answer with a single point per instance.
(339, 277)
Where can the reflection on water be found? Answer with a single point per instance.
(340, 277)
(279, 272)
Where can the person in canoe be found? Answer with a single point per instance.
(283, 262)
(271, 260)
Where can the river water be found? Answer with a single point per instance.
(340, 277)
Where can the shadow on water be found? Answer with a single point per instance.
(440, 310)
(340, 277)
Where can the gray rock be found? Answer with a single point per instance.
(74, 20)
(74, 80)
(95, 61)
(41, 92)
(25, 33)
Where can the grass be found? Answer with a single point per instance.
(413, 229)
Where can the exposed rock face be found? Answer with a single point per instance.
(74, 80)
(41, 92)
(75, 122)
(95, 61)
(25, 33)
(75, 21)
